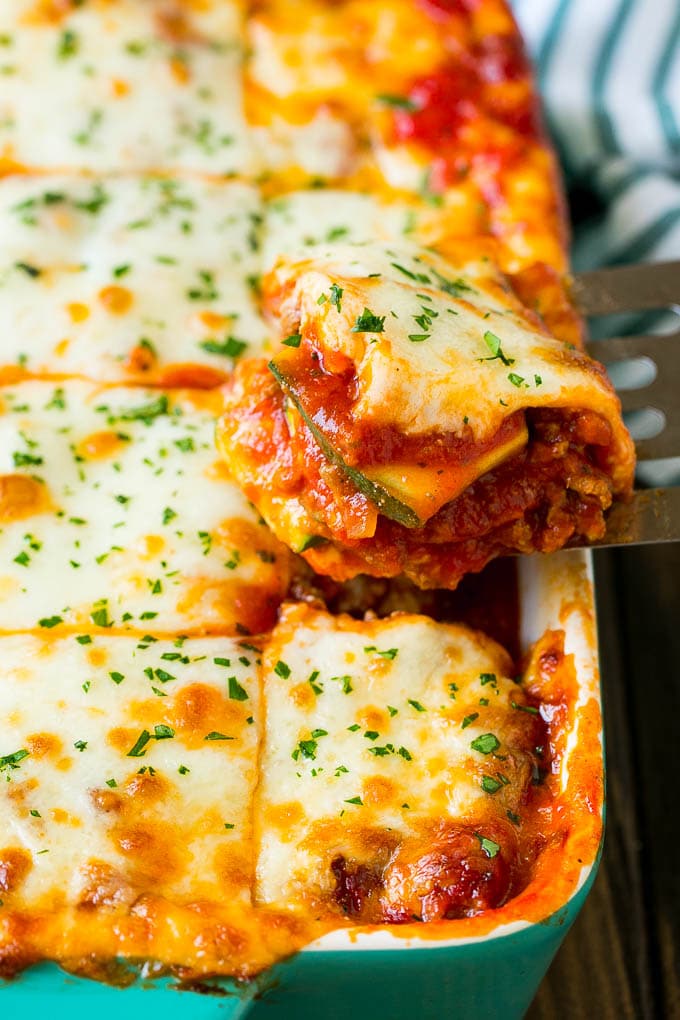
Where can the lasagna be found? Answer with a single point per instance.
(285, 327)
(417, 418)
(210, 804)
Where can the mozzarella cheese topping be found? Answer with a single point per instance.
(363, 735)
(128, 767)
(143, 279)
(115, 511)
(435, 346)
(130, 85)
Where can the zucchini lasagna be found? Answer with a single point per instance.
(282, 301)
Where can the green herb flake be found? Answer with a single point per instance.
(336, 293)
(236, 692)
(493, 342)
(397, 102)
(50, 621)
(490, 785)
(368, 322)
(11, 761)
(294, 340)
(68, 44)
(488, 846)
(416, 704)
(305, 749)
(468, 720)
(524, 708)
(230, 347)
(487, 743)
(389, 653)
(137, 750)
(282, 669)
(216, 735)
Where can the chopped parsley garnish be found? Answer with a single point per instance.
(230, 347)
(389, 653)
(68, 44)
(452, 287)
(524, 708)
(146, 412)
(397, 102)
(493, 342)
(468, 720)
(206, 291)
(30, 270)
(216, 735)
(516, 380)
(416, 704)
(490, 785)
(354, 800)
(488, 846)
(368, 322)
(137, 750)
(50, 621)
(346, 682)
(336, 296)
(487, 743)
(282, 669)
(305, 749)
(163, 732)
(11, 761)
(418, 277)
(236, 692)
(294, 340)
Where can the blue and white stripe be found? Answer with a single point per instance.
(609, 74)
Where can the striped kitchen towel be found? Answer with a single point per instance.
(609, 74)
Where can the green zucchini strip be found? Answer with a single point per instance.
(386, 503)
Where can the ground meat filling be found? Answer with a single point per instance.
(555, 490)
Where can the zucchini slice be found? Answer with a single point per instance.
(387, 504)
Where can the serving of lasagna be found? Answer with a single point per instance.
(286, 339)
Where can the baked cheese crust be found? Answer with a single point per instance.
(128, 279)
(115, 512)
(372, 755)
(106, 86)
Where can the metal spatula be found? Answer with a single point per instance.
(653, 515)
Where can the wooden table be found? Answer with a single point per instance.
(622, 957)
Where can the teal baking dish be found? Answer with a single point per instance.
(379, 973)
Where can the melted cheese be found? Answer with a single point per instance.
(128, 770)
(157, 820)
(365, 735)
(123, 86)
(145, 279)
(128, 519)
(312, 217)
(433, 362)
